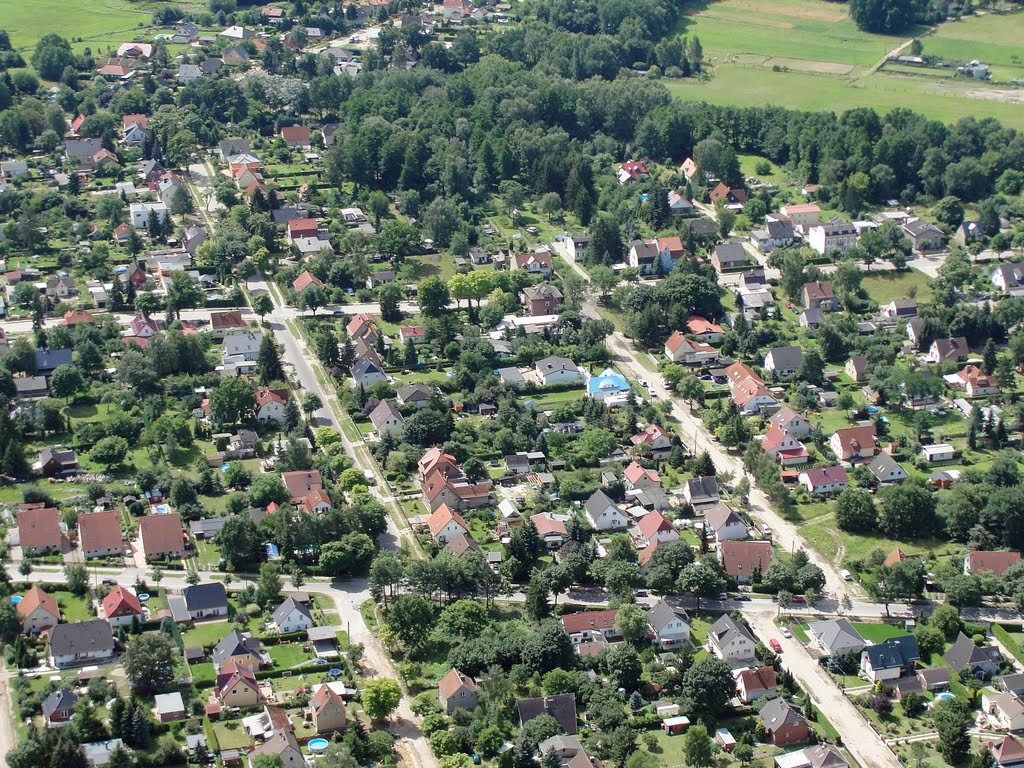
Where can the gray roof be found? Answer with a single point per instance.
(556, 363)
(882, 465)
(964, 653)
(918, 227)
(410, 393)
(60, 700)
(644, 251)
(720, 516)
(660, 615)
(785, 358)
(894, 652)
(939, 675)
(598, 503)
(730, 253)
(726, 629)
(286, 607)
(780, 230)
(81, 637)
(204, 597)
(82, 149)
(777, 713)
(207, 526)
(542, 291)
(560, 744)
(230, 147)
(234, 643)
(830, 632)
(51, 359)
(561, 707)
(169, 702)
(382, 412)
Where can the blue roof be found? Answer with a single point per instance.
(894, 652)
(608, 380)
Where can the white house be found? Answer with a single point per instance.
(386, 418)
(731, 641)
(603, 514)
(938, 452)
(670, 628)
(558, 370)
(139, 213)
(1005, 709)
(445, 524)
(292, 616)
(726, 524)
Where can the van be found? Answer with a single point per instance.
(765, 530)
(847, 576)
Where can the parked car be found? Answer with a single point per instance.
(776, 645)
(784, 631)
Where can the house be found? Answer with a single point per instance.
(935, 680)
(923, 236)
(973, 381)
(457, 691)
(1005, 710)
(854, 444)
(678, 205)
(755, 683)
(271, 405)
(386, 419)
(680, 349)
(98, 753)
(551, 529)
(644, 256)
(13, 169)
(49, 360)
(541, 299)
(235, 56)
(327, 710)
(630, 171)
(603, 514)
(366, 373)
(292, 616)
(224, 323)
(752, 396)
(704, 330)
(689, 169)
(783, 723)
(578, 247)
(734, 197)
(534, 263)
(655, 436)
(283, 744)
(996, 563)
(445, 523)
(59, 707)
(638, 477)
(886, 470)
(80, 643)
(835, 637)
(900, 308)
(803, 215)
(725, 524)
(783, 447)
(731, 641)
(37, 611)
(1007, 276)
(857, 367)
(729, 256)
(31, 387)
(524, 462)
(303, 282)
(415, 395)
(169, 707)
(819, 756)
(818, 294)
(777, 233)
(784, 361)
(57, 462)
(161, 536)
(558, 370)
(1007, 752)
(78, 316)
(791, 421)
(669, 626)
(139, 213)
(948, 350)
(561, 707)
(746, 561)
(609, 386)
(890, 659)
(821, 481)
(240, 651)
(121, 607)
(236, 686)
(832, 237)
(699, 491)
(206, 601)
(971, 661)
(296, 136)
(60, 288)
(578, 624)
(301, 483)
(39, 530)
(938, 452)
(655, 527)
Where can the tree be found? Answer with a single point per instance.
(268, 586)
(66, 382)
(149, 661)
(698, 749)
(708, 686)
(855, 511)
(946, 619)
(239, 541)
(350, 555)
(411, 618)
(432, 296)
(232, 400)
(949, 211)
(268, 362)
(631, 623)
(390, 296)
(951, 719)
(77, 577)
(311, 403)
(262, 305)
(377, 203)
(109, 451)
(701, 579)
(184, 293)
(380, 697)
(907, 510)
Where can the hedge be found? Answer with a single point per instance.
(999, 633)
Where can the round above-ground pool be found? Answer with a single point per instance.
(941, 696)
(317, 745)
(15, 599)
(143, 597)
(333, 671)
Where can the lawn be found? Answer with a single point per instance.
(74, 608)
(208, 633)
(288, 655)
(993, 38)
(883, 287)
(877, 633)
(96, 25)
(231, 734)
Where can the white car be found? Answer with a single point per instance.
(847, 576)
(785, 632)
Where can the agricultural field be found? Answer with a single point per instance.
(809, 55)
(86, 24)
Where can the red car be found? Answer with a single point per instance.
(775, 645)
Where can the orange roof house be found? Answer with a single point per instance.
(99, 534)
(39, 530)
(38, 611)
(161, 536)
(304, 281)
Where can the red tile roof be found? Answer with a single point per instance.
(121, 602)
(441, 517)
(586, 620)
(653, 523)
(161, 534)
(996, 562)
(36, 598)
(740, 558)
(100, 531)
(39, 528)
(303, 281)
(302, 483)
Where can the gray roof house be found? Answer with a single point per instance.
(784, 361)
(59, 706)
(701, 490)
(80, 643)
(561, 707)
(731, 641)
(49, 360)
(292, 616)
(981, 663)
(205, 601)
(416, 395)
(670, 627)
(386, 418)
(234, 643)
(886, 470)
(836, 637)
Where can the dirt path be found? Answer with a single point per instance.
(8, 736)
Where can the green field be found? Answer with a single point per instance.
(97, 24)
(883, 287)
(824, 62)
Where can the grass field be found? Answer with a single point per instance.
(883, 287)
(96, 24)
(808, 54)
